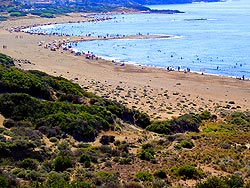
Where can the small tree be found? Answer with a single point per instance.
(188, 172)
(61, 163)
(144, 176)
(47, 15)
(85, 159)
(4, 183)
(160, 174)
(29, 163)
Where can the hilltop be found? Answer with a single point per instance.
(86, 6)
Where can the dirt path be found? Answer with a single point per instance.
(1, 120)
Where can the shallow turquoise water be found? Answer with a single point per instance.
(212, 37)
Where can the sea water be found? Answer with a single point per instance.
(213, 38)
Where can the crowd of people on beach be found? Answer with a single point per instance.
(67, 44)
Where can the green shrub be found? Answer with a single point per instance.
(53, 139)
(61, 163)
(19, 149)
(234, 181)
(6, 60)
(146, 154)
(85, 159)
(239, 118)
(160, 174)
(188, 172)
(125, 161)
(238, 121)
(104, 174)
(161, 127)
(187, 122)
(17, 14)
(185, 144)
(33, 176)
(47, 15)
(106, 139)
(141, 119)
(144, 176)
(23, 174)
(29, 163)
(205, 115)
(4, 182)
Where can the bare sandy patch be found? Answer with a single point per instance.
(1, 120)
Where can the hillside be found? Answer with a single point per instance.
(102, 5)
(55, 134)
(136, 3)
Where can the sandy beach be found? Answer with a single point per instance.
(158, 92)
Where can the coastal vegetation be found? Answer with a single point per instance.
(49, 10)
(56, 134)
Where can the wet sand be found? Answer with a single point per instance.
(158, 92)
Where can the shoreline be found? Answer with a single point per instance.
(156, 91)
(76, 39)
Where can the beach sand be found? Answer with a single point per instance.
(1, 120)
(158, 92)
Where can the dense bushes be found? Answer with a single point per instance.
(59, 111)
(81, 121)
(106, 139)
(144, 176)
(47, 15)
(187, 122)
(29, 163)
(161, 127)
(17, 14)
(61, 163)
(4, 183)
(188, 172)
(160, 174)
(239, 118)
(146, 153)
(78, 120)
(5, 60)
(19, 149)
(85, 159)
(185, 144)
